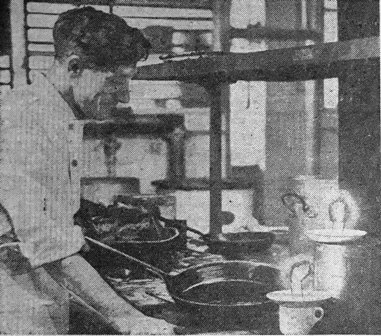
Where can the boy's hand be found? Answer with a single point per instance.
(142, 325)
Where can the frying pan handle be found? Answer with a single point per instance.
(197, 231)
(175, 223)
(149, 267)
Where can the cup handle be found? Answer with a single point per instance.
(346, 215)
(319, 314)
(309, 272)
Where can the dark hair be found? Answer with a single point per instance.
(99, 38)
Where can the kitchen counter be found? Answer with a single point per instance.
(149, 294)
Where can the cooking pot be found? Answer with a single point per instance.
(235, 289)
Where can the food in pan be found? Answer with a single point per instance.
(119, 222)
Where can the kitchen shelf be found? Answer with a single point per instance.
(325, 60)
(159, 124)
(204, 184)
(168, 127)
(199, 4)
(253, 32)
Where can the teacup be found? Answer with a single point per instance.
(298, 320)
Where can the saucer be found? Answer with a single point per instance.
(285, 296)
(331, 236)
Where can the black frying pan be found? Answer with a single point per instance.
(233, 242)
(238, 241)
(223, 288)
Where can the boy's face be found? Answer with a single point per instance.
(98, 90)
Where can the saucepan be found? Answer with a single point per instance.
(224, 288)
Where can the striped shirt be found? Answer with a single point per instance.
(40, 162)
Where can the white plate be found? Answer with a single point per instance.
(335, 236)
(287, 296)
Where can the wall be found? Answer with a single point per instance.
(359, 116)
(301, 126)
(272, 124)
(143, 157)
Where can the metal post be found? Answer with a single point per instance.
(215, 155)
(221, 42)
(219, 105)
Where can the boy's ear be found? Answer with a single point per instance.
(74, 66)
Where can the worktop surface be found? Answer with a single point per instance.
(149, 294)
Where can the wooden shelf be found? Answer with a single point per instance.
(324, 60)
(169, 127)
(199, 4)
(254, 32)
(204, 184)
(160, 124)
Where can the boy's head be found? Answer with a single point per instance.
(100, 39)
(95, 57)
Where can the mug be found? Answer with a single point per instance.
(298, 320)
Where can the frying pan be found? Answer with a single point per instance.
(157, 252)
(233, 242)
(225, 288)
(166, 239)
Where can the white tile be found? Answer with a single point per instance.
(41, 20)
(41, 47)
(4, 61)
(331, 4)
(40, 62)
(5, 76)
(156, 12)
(48, 8)
(257, 12)
(176, 24)
(40, 35)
